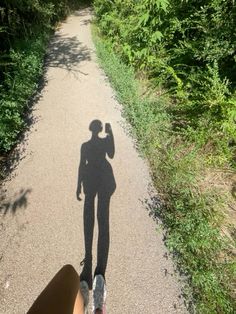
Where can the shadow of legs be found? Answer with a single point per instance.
(103, 233)
(88, 238)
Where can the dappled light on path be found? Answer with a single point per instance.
(18, 201)
(66, 53)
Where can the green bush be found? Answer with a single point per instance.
(190, 216)
(186, 48)
(19, 85)
(25, 27)
(185, 51)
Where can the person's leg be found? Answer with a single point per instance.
(103, 233)
(82, 299)
(79, 304)
(61, 296)
(88, 238)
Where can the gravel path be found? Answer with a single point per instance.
(42, 229)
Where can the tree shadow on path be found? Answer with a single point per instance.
(66, 53)
(97, 178)
(20, 200)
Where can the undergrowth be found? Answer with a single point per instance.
(186, 49)
(190, 215)
(25, 28)
(19, 85)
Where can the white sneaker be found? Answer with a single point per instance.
(84, 289)
(99, 294)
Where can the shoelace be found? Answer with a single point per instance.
(82, 262)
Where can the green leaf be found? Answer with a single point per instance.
(156, 36)
(144, 19)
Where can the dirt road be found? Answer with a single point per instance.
(42, 228)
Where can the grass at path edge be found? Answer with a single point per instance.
(190, 216)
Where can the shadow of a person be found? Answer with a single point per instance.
(96, 177)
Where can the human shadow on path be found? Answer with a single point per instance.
(96, 176)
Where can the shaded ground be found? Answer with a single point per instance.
(42, 226)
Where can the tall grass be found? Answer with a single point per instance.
(190, 215)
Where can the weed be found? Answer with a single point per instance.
(190, 215)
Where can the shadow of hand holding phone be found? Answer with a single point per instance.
(97, 179)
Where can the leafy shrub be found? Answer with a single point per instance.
(186, 47)
(187, 51)
(190, 216)
(25, 26)
(26, 63)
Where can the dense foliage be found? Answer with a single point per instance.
(184, 117)
(191, 217)
(25, 26)
(188, 47)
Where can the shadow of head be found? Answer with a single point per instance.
(95, 126)
(20, 200)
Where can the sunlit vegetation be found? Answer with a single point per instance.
(173, 65)
(25, 27)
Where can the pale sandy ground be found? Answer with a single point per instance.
(46, 231)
